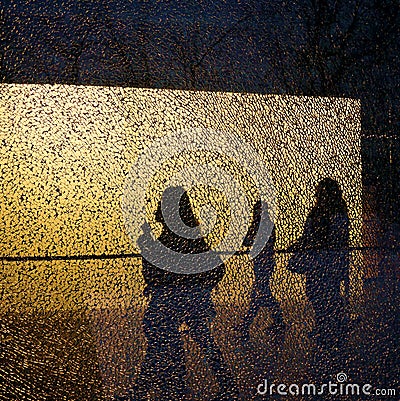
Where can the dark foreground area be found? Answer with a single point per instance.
(61, 355)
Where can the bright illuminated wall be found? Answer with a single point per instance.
(65, 152)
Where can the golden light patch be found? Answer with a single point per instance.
(65, 152)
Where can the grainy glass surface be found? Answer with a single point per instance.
(88, 87)
(76, 325)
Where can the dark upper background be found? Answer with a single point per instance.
(303, 47)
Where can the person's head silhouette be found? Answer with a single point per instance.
(329, 197)
(175, 207)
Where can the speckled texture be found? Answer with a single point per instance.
(72, 329)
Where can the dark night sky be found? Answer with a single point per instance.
(231, 45)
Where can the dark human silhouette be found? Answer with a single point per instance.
(321, 254)
(264, 264)
(176, 299)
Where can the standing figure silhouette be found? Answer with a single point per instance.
(176, 299)
(264, 265)
(321, 254)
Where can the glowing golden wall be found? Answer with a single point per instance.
(65, 151)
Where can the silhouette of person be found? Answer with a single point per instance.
(324, 260)
(175, 299)
(264, 265)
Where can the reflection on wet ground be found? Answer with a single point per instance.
(77, 356)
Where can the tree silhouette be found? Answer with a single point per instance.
(319, 44)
